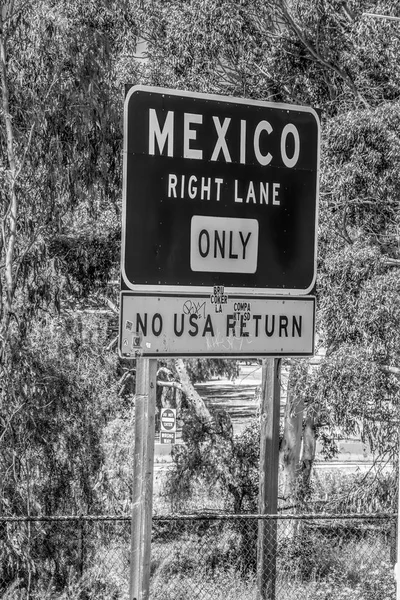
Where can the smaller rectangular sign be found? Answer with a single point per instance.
(216, 325)
(167, 438)
(223, 245)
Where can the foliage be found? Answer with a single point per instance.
(231, 586)
(348, 493)
(65, 109)
(51, 445)
(331, 55)
(117, 466)
(60, 179)
(318, 52)
(357, 384)
(323, 560)
(203, 369)
(216, 458)
(52, 448)
(375, 584)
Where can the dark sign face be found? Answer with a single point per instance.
(218, 192)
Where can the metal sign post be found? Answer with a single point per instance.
(145, 401)
(268, 486)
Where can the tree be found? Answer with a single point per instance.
(357, 385)
(59, 197)
(60, 142)
(313, 52)
(52, 450)
(59, 208)
(62, 71)
(332, 56)
(214, 457)
(289, 455)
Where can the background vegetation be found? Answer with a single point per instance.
(65, 398)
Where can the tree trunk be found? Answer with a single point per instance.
(289, 454)
(308, 455)
(193, 398)
(10, 213)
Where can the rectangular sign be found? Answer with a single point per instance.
(167, 437)
(216, 325)
(218, 191)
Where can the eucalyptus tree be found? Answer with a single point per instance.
(358, 385)
(63, 67)
(60, 179)
(327, 54)
(60, 141)
(331, 55)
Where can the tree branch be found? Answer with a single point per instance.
(28, 144)
(392, 262)
(111, 304)
(317, 56)
(390, 370)
(12, 213)
(344, 227)
(112, 344)
(192, 395)
(171, 384)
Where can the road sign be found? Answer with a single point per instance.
(167, 437)
(216, 325)
(168, 419)
(218, 191)
(168, 425)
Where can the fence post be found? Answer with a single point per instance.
(268, 486)
(145, 401)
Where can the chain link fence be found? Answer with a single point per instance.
(205, 557)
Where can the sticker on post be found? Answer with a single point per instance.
(137, 340)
